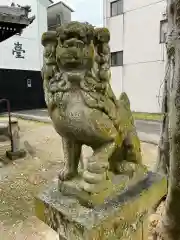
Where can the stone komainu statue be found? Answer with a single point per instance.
(82, 106)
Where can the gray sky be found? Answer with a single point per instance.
(87, 10)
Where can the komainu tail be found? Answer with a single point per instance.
(125, 100)
(132, 139)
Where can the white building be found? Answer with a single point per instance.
(21, 57)
(58, 13)
(137, 50)
(31, 57)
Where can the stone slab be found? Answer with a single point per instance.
(5, 120)
(4, 126)
(16, 155)
(111, 187)
(4, 147)
(119, 218)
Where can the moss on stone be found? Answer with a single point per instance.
(49, 36)
(122, 217)
(114, 185)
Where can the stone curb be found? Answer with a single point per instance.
(149, 138)
(149, 142)
(32, 117)
(148, 121)
(48, 120)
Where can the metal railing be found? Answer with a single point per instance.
(9, 118)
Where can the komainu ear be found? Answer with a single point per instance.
(49, 37)
(124, 98)
(102, 35)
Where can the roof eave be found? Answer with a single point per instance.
(60, 2)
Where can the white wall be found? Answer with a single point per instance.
(130, 5)
(117, 80)
(31, 55)
(143, 56)
(143, 84)
(42, 27)
(142, 34)
(30, 40)
(137, 33)
(117, 28)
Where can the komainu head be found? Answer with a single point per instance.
(75, 48)
(78, 46)
(77, 55)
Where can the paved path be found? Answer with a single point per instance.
(148, 131)
(148, 126)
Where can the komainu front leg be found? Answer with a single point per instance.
(72, 153)
(97, 167)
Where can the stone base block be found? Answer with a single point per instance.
(16, 154)
(111, 187)
(123, 217)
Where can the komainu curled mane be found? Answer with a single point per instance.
(82, 105)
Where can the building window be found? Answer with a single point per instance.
(116, 8)
(29, 84)
(163, 31)
(117, 58)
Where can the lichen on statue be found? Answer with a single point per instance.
(82, 105)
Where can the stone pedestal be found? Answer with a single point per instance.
(16, 154)
(5, 136)
(122, 216)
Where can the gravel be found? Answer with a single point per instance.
(21, 180)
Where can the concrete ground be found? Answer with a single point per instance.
(151, 127)
(21, 180)
(148, 131)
